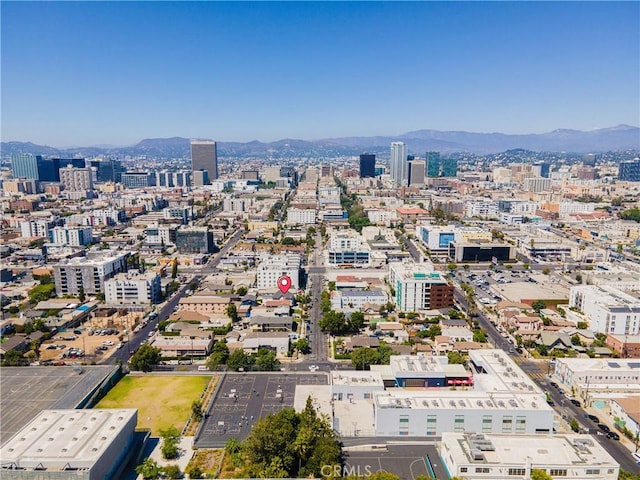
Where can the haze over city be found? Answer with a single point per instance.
(89, 73)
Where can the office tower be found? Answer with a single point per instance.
(629, 171)
(449, 167)
(590, 159)
(440, 167)
(432, 159)
(250, 175)
(164, 179)
(25, 165)
(367, 165)
(399, 167)
(76, 179)
(106, 170)
(290, 173)
(137, 179)
(194, 240)
(204, 156)
(416, 172)
(200, 177)
(542, 168)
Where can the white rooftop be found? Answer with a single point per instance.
(75, 439)
(543, 451)
(357, 377)
(503, 375)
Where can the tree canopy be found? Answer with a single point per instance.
(145, 357)
(290, 444)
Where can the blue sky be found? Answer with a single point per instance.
(87, 73)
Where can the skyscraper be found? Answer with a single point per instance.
(25, 165)
(399, 167)
(629, 171)
(367, 165)
(416, 172)
(204, 156)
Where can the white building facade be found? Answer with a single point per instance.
(610, 310)
(133, 288)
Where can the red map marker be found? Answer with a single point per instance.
(284, 284)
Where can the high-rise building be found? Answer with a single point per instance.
(137, 179)
(194, 240)
(106, 170)
(629, 171)
(88, 274)
(200, 177)
(416, 172)
(76, 179)
(204, 156)
(440, 167)
(542, 168)
(25, 165)
(432, 160)
(399, 167)
(367, 165)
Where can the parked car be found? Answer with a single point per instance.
(613, 436)
(575, 402)
(553, 384)
(593, 418)
(604, 428)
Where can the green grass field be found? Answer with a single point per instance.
(162, 401)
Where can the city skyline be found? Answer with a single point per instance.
(114, 73)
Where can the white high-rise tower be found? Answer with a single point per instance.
(399, 165)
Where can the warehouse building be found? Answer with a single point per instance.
(78, 444)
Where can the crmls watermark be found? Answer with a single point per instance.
(337, 471)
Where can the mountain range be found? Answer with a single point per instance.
(621, 137)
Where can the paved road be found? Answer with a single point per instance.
(317, 338)
(136, 339)
(538, 372)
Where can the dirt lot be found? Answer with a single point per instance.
(69, 340)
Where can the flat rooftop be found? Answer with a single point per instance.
(604, 365)
(502, 373)
(44, 388)
(357, 378)
(543, 450)
(67, 439)
(444, 399)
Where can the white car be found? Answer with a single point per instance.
(313, 368)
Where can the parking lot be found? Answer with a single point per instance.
(243, 398)
(25, 391)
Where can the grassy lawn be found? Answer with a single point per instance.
(162, 401)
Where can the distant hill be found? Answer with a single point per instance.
(622, 137)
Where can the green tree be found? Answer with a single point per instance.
(238, 359)
(456, 357)
(302, 345)
(81, 296)
(195, 472)
(41, 293)
(479, 335)
(537, 474)
(196, 410)
(362, 358)
(356, 321)
(538, 305)
(170, 443)
(149, 469)
(575, 340)
(219, 355)
(172, 471)
(232, 312)
(242, 291)
(574, 425)
(546, 271)
(145, 358)
(333, 322)
(265, 360)
(174, 268)
(582, 325)
(13, 358)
